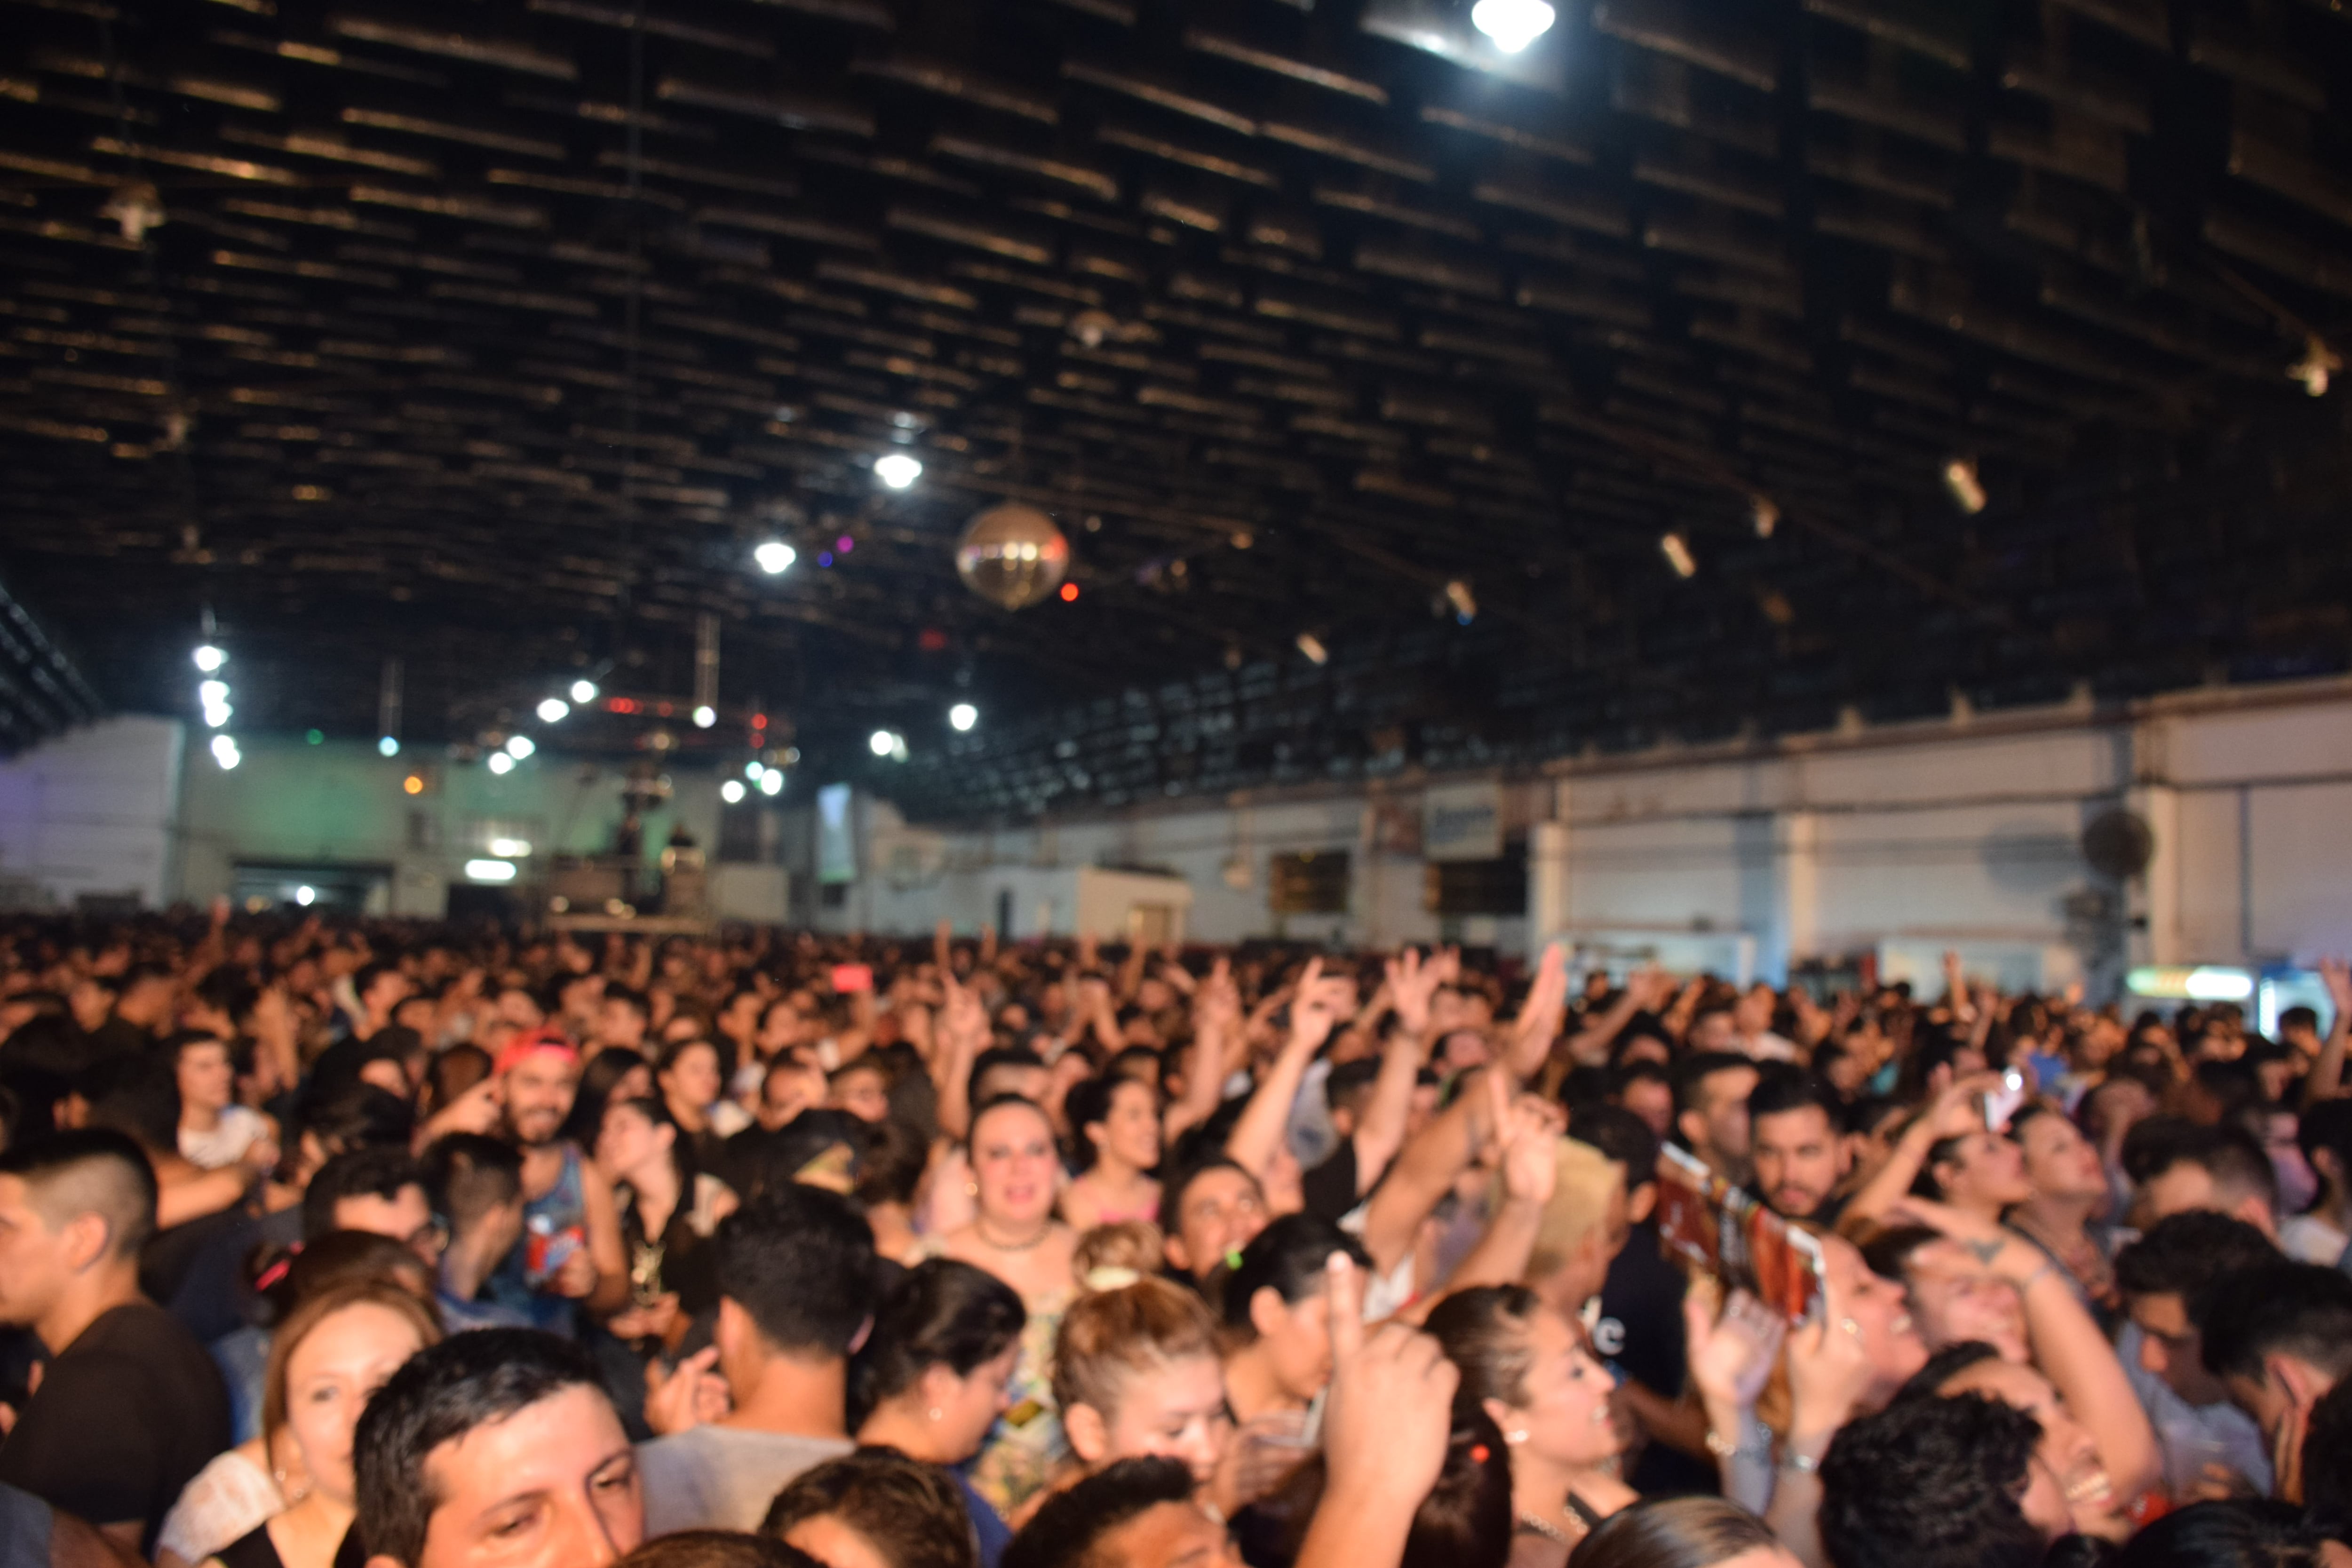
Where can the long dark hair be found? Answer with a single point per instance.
(682, 1147)
(604, 1072)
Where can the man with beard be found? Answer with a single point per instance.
(570, 1254)
(1794, 1145)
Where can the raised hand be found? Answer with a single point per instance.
(1411, 984)
(1730, 1358)
(1390, 1415)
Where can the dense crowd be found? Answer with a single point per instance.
(388, 1246)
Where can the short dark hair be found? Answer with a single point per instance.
(943, 1312)
(2244, 1532)
(1291, 1257)
(2327, 1458)
(1350, 1083)
(2241, 1168)
(1931, 1483)
(1783, 1086)
(2285, 1308)
(1620, 1135)
(379, 1172)
(469, 1174)
(93, 1171)
(1944, 1365)
(357, 1115)
(990, 1061)
(437, 1396)
(910, 1513)
(2185, 1254)
(716, 1549)
(1674, 1532)
(1695, 1070)
(1065, 1532)
(800, 1261)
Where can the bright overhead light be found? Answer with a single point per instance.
(1961, 479)
(511, 848)
(584, 691)
(731, 792)
(705, 717)
(225, 752)
(501, 763)
(521, 746)
(879, 742)
(753, 769)
(771, 782)
(306, 896)
(775, 555)
(1312, 647)
(897, 471)
(1678, 554)
(209, 658)
(212, 693)
(387, 747)
(1766, 515)
(1513, 23)
(217, 715)
(553, 710)
(963, 716)
(490, 871)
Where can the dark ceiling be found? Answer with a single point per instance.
(491, 335)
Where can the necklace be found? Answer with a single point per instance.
(980, 1226)
(1547, 1529)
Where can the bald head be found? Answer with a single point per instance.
(92, 1172)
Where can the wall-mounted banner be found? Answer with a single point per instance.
(1462, 821)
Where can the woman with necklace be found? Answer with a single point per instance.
(328, 1356)
(667, 1212)
(1527, 1368)
(1015, 1180)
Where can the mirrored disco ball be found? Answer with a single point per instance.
(1013, 555)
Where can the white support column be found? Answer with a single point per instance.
(1798, 918)
(2152, 899)
(1549, 909)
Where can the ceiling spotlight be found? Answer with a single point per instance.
(1312, 647)
(2318, 361)
(1465, 607)
(1766, 515)
(209, 658)
(490, 871)
(753, 769)
(520, 746)
(225, 752)
(963, 716)
(705, 717)
(387, 747)
(212, 693)
(1678, 554)
(880, 741)
(501, 763)
(584, 691)
(775, 555)
(553, 710)
(771, 782)
(731, 792)
(1967, 488)
(511, 849)
(897, 471)
(217, 715)
(1513, 23)
(306, 896)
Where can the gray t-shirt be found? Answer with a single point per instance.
(721, 1478)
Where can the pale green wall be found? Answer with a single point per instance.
(342, 803)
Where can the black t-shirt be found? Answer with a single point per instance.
(1640, 1332)
(1329, 1189)
(123, 1420)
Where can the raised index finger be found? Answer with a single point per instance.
(1345, 1286)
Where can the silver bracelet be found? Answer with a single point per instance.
(1802, 1462)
